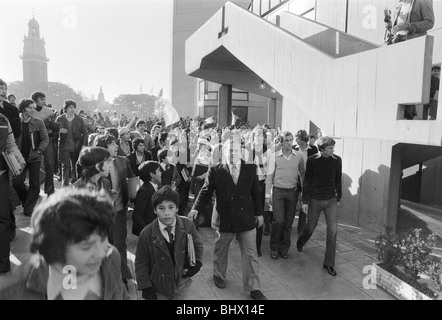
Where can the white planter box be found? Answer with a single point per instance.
(396, 286)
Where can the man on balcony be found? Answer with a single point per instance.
(413, 18)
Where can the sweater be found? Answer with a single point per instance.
(322, 179)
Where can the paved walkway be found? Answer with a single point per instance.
(300, 277)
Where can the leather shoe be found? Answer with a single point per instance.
(274, 254)
(257, 295)
(219, 282)
(284, 255)
(330, 270)
(298, 246)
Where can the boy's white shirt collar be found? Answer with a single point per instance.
(163, 228)
(154, 185)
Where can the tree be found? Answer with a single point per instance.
(56, 95)
(140, 105)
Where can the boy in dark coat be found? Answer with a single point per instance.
(162, 264)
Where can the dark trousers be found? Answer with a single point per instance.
(5, 224)
(262, 189)
(28, 197)
(12, 217)
(183, 191)
(68, 166)
(284, 205)
(119, 235)
(49, 163)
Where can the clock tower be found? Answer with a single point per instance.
(35, 63)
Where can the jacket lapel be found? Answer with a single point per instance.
(179, 230)
(159, 240)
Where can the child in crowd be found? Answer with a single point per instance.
(144, 214)
(72, 259)
(96, 163)
(162, 265)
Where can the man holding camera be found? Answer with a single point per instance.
(413, 18)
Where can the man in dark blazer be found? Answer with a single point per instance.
(144, 213)
(239, 210)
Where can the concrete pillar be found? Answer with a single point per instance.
(225, 105)
(271, 113)
(394, 188)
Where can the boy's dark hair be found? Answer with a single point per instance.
(104, 140)
(113, 132)
(2, 83)
(139, 122)
(154, 127)
(91, 156)
(162, 155)
(163, 136)
(36, 95)
(303, 135)
(67, 217)
(435, 68)
(146, 168)
(11, 95)
(136, 142)
(24, 103)
(166, 193)
(68, 103)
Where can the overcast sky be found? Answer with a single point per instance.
(119, 45)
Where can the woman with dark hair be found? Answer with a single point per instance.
(72, 258)
(96, 163)
(139, 155)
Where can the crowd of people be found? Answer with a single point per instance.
(245, 183)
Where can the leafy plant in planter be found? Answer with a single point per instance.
(408, 257)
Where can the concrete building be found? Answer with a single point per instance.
(35, 62)
(328, 63)
(197, 97)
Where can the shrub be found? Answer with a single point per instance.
(410, 254)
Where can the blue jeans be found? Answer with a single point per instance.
(330, 208)
(5, 231)
(284, 207)
(250, 265)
